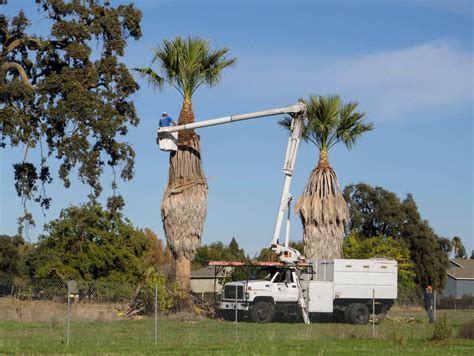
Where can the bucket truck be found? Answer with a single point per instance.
(295, 287)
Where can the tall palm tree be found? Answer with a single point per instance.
(322, 207)
(185, 64)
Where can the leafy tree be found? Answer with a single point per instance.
(217, 251)
(431, 262)
(374, 211)
(444, 245)
(322, 208)
(9, 256)
(89, 243)
(157, 255)
(359, 247)
(186, 64)
(67, 95)
(459, 251)
(400, 220)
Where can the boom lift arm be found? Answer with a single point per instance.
(285, 253)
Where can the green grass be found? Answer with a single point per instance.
(219, 337)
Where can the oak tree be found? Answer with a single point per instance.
(67, 95)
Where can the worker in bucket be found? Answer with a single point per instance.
(429, 305)
(166, 120)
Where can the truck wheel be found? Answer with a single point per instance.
(358, 314)
(262, 312)
(346, 313)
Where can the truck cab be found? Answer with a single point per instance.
(271, 292)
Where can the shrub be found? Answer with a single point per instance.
(442, 330)
(467, 330)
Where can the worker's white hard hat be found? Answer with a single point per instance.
(164, 113)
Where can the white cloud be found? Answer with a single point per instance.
(425, 77)
(388, 84)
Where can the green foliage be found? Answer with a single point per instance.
(376, 212)
(68, 95)
(90, 243)
(458, 247)
(9, 256)
(330, 121)
(361, 248)
(186, 64)
(168, 296)
(442, 330)
(466, 331)
(217, 251)
(431, 262)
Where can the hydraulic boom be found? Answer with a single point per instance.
(285, 253)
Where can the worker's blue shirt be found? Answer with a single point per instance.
(166, 121)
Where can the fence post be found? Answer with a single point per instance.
(236, 313)
(156, 313)
(68, 311)
(373, 312)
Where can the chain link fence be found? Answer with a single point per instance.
(99, 313)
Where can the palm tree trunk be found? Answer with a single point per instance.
(324, 212)
(184, 204)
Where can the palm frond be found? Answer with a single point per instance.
(330, 121)
(153, 79)
(189, 63)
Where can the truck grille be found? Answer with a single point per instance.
(229, 292)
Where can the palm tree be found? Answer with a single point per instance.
(322, 207)
(185, 64)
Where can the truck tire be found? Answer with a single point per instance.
(262, 312)
(358, 314)
(346, 313)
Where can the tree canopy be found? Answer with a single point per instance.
(89, 243)
(459, 251)
(67, 95)
(388, 247)
(376, 212)
(10, 259)
(217, 251)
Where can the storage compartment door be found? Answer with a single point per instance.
(320, 295)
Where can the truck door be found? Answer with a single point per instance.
(284, 287)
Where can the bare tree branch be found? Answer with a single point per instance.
(20, 70)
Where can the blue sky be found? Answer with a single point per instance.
(409, 64)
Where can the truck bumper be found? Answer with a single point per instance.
(231, 305)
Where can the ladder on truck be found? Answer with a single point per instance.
(302, 303)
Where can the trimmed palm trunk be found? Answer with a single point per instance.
(324, 212)
(184, 204)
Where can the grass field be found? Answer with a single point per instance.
(393, 336)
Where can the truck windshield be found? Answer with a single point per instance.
(265, 274)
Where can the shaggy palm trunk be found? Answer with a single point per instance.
(184, 205)
(324, 212)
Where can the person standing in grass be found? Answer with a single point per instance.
(428, 299)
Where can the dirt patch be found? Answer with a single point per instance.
(54, 312)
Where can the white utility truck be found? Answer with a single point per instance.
(294, 285)
(346, 289)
